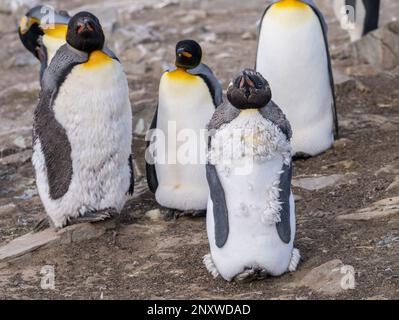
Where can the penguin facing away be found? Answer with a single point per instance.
(82, 130)
(362, 15)
(251, 213)
(293, 55)
(188, 96)
(39, 37)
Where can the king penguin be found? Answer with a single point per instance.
(82, 130)
(188, 96)
(41, 36)
(293, 55)
(251, 209)
(358, 17)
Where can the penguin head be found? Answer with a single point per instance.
(249, 90)
(188, 54)
(36, 23)
(85, 32)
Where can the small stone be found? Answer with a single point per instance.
(381, 209)
(154, 215)
(364, 70)
(248, 36)
(297, 198)
(394, 185)
(85, 231)
(325, 279)
(7, 209)
(17, 158)
(27, 243)
(389, 169)
(188, 19)
(379, 48)
(345, 164)
(341, 143)
(209, 37)
(321, 182)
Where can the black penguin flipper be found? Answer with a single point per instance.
(220, 212)
(150, 169)
(224, 114)
(372, 15)
(330, 71)
(274, 114)
(47, 130)
(211, 81)
(284, 226)
(131, 168)
(110, 53)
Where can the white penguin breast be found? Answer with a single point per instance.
(93, 107)
(250, 183)
(293, 58)
(186, 101)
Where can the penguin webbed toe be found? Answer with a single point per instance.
(173, 214)
(41, 225)
(250, 274)
(301, 156)
(94, 216)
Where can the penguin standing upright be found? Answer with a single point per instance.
(358, 17)
(42, 36)
(251, 209)
(293, 55)
(82, 129)
(188, 96)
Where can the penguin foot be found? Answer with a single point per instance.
(41, 225)
(170, 214)
(301, 156)
(94, 216)
(295, 258)
(250, 275)
(210, 265)
(193, 213)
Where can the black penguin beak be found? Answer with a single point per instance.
(181, 52)
(85, 24)
(246, 83)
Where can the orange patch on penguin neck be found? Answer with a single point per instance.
(181, 74)
(58, 31)
(297, 4)
(97, 59)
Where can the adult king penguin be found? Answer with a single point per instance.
(358, 17)
(251, 209)
(188, 96)
(42, 35)
(293, 55)
(82, 129)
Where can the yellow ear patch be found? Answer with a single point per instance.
(25, 23)
(58, 31)
(97, 59)
(181, 75)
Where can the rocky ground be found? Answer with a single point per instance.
(347, 198)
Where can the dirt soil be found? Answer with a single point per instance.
(148, 259)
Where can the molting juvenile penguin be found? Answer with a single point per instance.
(358, 17)
(251, 209)
(293, 55)
(82, 129)
(188, 96)
(42, 32)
